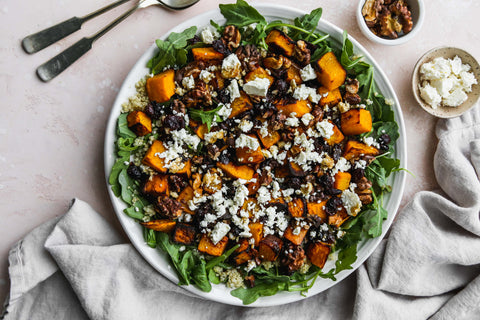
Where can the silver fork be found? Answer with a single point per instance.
(63, 60)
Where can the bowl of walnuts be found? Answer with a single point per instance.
(390, 22)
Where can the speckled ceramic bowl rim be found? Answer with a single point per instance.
(390, 42)
(473, 97)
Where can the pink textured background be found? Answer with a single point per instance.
(51, 135)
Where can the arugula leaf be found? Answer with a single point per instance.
(217, 260)
(206, 116)
(241, 14)
(309, 22)
(171, 51)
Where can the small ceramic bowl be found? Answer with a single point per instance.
(447, 53)
(418, 15)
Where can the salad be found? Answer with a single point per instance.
(256, 153)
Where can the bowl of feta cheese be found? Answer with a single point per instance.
(445, 82)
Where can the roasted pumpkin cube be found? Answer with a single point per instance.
(184, 234)
(354, 150)
(318, 253)
(239, 172)
(139, 123)
(300, 108)
(152, 157)
(206, 54)
(356, 121)
(317, 209)
(246, 155)
(342, 180)
(258, 73)
(156, 185)
(184, 197)
(330, 98)
(256, 229)
(240, 105)
(254, 185)
(293, 73)
(161, 87)
(207, 246)
(270, 139)
(211, 182)
(295, 233)
(279, 42)
(338, 218)
(269, 248)
(336, 137)
(295, 169)
(162, 225)
(297, 207)
(244, 256)
(330, 72)
(183, 168)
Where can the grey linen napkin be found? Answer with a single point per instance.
(77, 266)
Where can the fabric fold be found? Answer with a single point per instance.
(78, 267)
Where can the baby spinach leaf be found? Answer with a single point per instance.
(261, 289)
(122, 127)
(126, 190)
(346, 258)
(199, 276)
(150, 237)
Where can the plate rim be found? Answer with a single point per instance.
(218, 291)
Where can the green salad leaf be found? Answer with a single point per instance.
(193, 267)
(172, 51)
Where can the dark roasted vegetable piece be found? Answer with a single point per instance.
(184, 234)
(279, 42)
(139, 123)
(270, 247)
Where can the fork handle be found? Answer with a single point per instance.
(42, 39)
(64, 59)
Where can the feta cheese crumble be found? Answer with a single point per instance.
(257, 87)
(445, 82)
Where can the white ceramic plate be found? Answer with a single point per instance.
(220, 292)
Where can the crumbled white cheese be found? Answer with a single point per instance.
(231, 66)
(325, 128)
(206, 76)
(455, 98)
(342, 165)
(233, 90)
(219, 231)
(224, 111)
(213, 136)
(245, 125)
(306, 93)
(430, 95)
(209, 34)
(257, 87)
(445, 82)
(292, 121)
(306, 118)
(188, 82)
(263, 195)
(244, 141)
(307, 73)
(351, 202)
